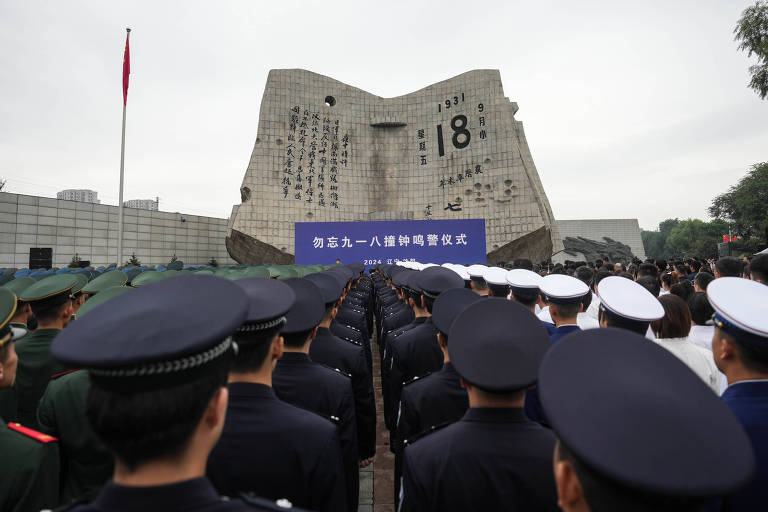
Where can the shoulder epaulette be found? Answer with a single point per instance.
(337, 370)
(411, 381)
(261, 503)
(57, 375)
(359, 344)
(426, 432)
(34, 434)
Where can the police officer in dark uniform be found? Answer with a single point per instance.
(493, 458)
(86, 464)
(29, 472)
(417, 352)
(348, 356)
(300, 381)
(436, 399)
(157, 398)
(51, 302)
(270, 447)
(637, 430)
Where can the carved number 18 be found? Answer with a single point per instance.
(459, 127)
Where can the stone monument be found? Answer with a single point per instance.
(326, 151)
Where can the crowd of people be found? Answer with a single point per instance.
(578, 386)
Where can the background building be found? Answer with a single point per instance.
(143, 204)
(79, 194)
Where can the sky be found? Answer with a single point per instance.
(631, 110)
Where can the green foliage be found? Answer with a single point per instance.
(687, 238)
(752, 34)
(75, 263)
(133, 260)
(745, 204)
(213, 263)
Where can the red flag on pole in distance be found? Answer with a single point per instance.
(726, 238)
(126, 70)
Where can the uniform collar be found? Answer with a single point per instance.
(323, 331)
(187, 495)
(495, 415)
(449, 369)
(747, 388)
(251, 390)
(420, 319)
(294, 357)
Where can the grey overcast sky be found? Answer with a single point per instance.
(634, 109)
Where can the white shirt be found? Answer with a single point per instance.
(701, 336)
(696, 358)
(594, 307)
(583, 320)
(544, 315)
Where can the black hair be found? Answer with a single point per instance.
(584, 274)
(623, 323)
(729, 266)
(604, 494)
(525, 298)
(151, 425)
(676, 322)
(703, 279)
(429, 303)
(661, 264)
(651, 284)
(329, 307)
(296, 339)
(754, 357)
(499, 290)
(44, 312)
(479, 283)
(568, 310)
(758, 267)
(253, 347)
(701, 309)
(647, 269)
(683, 289)
(523, 263)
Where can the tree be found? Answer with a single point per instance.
(75, 263)
(745, 204)
(133, 261)
(688, 238)
(752, 34)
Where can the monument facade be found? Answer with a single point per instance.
(326, 151)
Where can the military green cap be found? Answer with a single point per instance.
(82, 280)
(274, 271)
(106, 280)
(7, 310)
(287, 273)
(148, 277)
(103, 296)
(205, 272)
(50, 287)
(19, 284)
(257, 272)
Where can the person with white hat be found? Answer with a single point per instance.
(740, 349)
(565, 295)
(496, 279)
(476, 281)
(627, 305)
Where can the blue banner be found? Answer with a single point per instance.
(425, 241)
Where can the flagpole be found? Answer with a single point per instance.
(122, 172)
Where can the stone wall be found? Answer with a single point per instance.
(326, 151)
(90, 230)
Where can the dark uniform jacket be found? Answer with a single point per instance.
(416, 352)
(492, 459)
(36, 367)
(304, 383)
(196, 495)
(86, 465)
(29, 469)
(431, 401)
(749, 403)
(386, 369)
(349, 333)
(349, 357)
(563, 331)
(276, 450)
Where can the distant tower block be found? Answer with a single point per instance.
(327, 152)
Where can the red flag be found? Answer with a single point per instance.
(126, 71)
(726, 238)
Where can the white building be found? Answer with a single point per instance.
(79, 194)
(143, 204)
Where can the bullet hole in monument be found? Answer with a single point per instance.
(508, 182)
(468, 192)
(245, 194)
(458, 200)
(279, 142)
(478, 186)
(479, 200)
(258, 140)
(487, 187)
(495, 246)
(507, 192)
(487, 161)
(330, 101)
(310, 215)
(283, 249)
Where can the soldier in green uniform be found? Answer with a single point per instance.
(51, 303)
(86, 465)
(29, 471)
(8, 397)
(78, 296)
